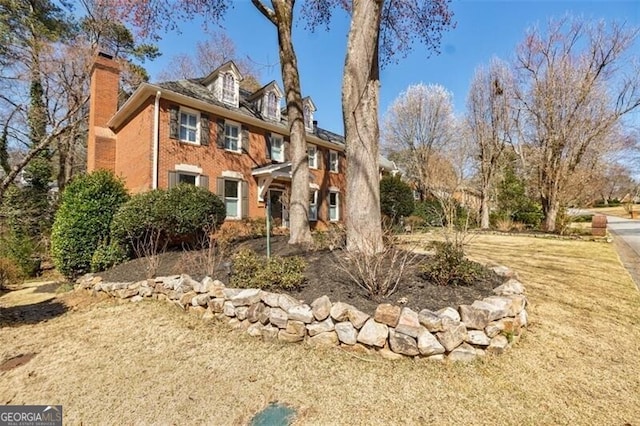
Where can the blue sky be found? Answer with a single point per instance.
(483, 29)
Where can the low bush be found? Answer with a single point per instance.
(107, 256)
(10, 272)
(238, 230)
(87, 207)
(450, 267)
(335, 236)
(178, 215)
(22, 250)
(253, 271)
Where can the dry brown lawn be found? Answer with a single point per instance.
(149, 363)
(618, 211)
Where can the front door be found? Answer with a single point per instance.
(275, 197)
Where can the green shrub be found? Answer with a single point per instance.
(430, 211)
(87, 207)
(107, 256)
(450, 267)
(22, 250)
(253, 271)
(192, 209)
(532, 218)
(180, 214)
(10, 273)
(396, 198)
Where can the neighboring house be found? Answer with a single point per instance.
(209, 132)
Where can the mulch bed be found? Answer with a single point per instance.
(325, 277)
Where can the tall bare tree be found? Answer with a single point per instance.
(490, 120)
(576, 82)
(418, 128)
(209, 55)
(379, 30)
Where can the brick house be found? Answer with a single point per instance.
(211, 133)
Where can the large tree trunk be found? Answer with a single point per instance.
(550, 208)
(299, 204)
(484, 209)
(360, 92)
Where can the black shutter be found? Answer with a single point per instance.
(220, 133)
(173, 179)
(204, 181)
(204, 130)
(220, 188)
(245, 138)
(245, 199)
(267, 140)
(174, 127)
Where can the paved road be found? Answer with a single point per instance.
(627, 230)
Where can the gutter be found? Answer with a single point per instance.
(146, 89)
(156, 141)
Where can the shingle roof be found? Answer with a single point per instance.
(194, 89)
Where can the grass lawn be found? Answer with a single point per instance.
(126, 363)
(618, 211)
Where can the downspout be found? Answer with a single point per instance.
(156, 141)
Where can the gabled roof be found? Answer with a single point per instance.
(309, 102)
(227, 66)
(267, 87)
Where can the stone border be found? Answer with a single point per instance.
(491, 325)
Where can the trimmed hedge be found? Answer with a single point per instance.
(184, 212)
(83, 220)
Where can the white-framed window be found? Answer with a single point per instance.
(334, 206)
(189, 128)
(228, 88)
(232, 201)
(312, 152)
(190, 178)
(272, 105)
(313, 204)
(333, 161)
(232, 136)
(277, 148)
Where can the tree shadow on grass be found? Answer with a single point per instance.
(15, 316)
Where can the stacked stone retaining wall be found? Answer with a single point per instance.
(488, 326)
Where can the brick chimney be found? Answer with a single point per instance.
(103, 104)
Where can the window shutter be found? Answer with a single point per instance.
(174, 128)
(319, 156)
(245, 138)
(173, 179)
(220, 188)
(245, 199)
(204, 130)
(267, 139)
(220, 133)
(204, 181)
(328, 157)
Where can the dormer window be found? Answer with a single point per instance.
(228, 88)
(308, 108)
(272, 105)
(308, 123)
(224, 83)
